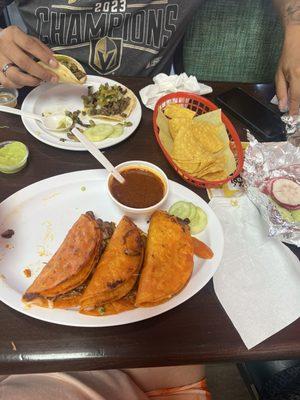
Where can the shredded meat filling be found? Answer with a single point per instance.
(74, 69)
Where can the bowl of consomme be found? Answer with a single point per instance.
(145, 189)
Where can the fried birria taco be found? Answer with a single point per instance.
(168, 262)
(63, 279)
(126, 303)
(68, 71)
(118, 268)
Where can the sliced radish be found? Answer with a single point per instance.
(267, 189)
(286, 192)
(290, 208)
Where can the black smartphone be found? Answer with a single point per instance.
(261, 120)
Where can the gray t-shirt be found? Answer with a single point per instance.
(121, 37)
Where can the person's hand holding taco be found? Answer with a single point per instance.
(17, 65)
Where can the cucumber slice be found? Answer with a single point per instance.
(99, 132)
(199, 222)
(196, 216)
(193, 212)
(296, 215)
(285, 214)
(181, 209)
(118, 131)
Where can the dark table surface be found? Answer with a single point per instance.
(198, 331)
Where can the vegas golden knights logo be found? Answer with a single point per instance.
(105, 55)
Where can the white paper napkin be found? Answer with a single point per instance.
(165, 84)
(258, 281)
(274, 100)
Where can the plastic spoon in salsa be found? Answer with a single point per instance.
(98, 155)
(57, 122)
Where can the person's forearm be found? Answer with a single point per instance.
(288, 72)
(289, 11)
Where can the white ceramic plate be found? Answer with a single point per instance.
(41, 215)
(60, 97)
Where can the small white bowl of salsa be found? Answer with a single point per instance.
(145, 189)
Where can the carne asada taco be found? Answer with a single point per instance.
(112, 102)
(69, 70)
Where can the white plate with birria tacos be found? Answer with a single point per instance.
(62, 264)
(104, 110)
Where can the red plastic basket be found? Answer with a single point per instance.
(200, 105)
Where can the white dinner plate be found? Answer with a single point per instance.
(53, 98)
(41, 215)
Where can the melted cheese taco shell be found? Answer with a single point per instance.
(118, 268)
(68, 71)
(68, 300)
(69, 268)
(168, 263)
(115, 307)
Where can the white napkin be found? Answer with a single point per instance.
(274, 100)
(165, 84)
(258, 281)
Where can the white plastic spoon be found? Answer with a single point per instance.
(50, 122)
(98, 155)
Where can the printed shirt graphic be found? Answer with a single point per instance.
(122, 37)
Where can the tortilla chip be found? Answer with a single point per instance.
(198, 145)
(175, 124)
(168, 261)
(164, 132)
(191, 167)
(206, 136)
(213, 117)
(72, 263)
(215, 176)
(189, 153)
(118, 269)
(230, 161)
(178, 111)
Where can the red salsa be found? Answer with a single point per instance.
(142, 188)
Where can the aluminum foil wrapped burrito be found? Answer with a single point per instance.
(272, 180)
